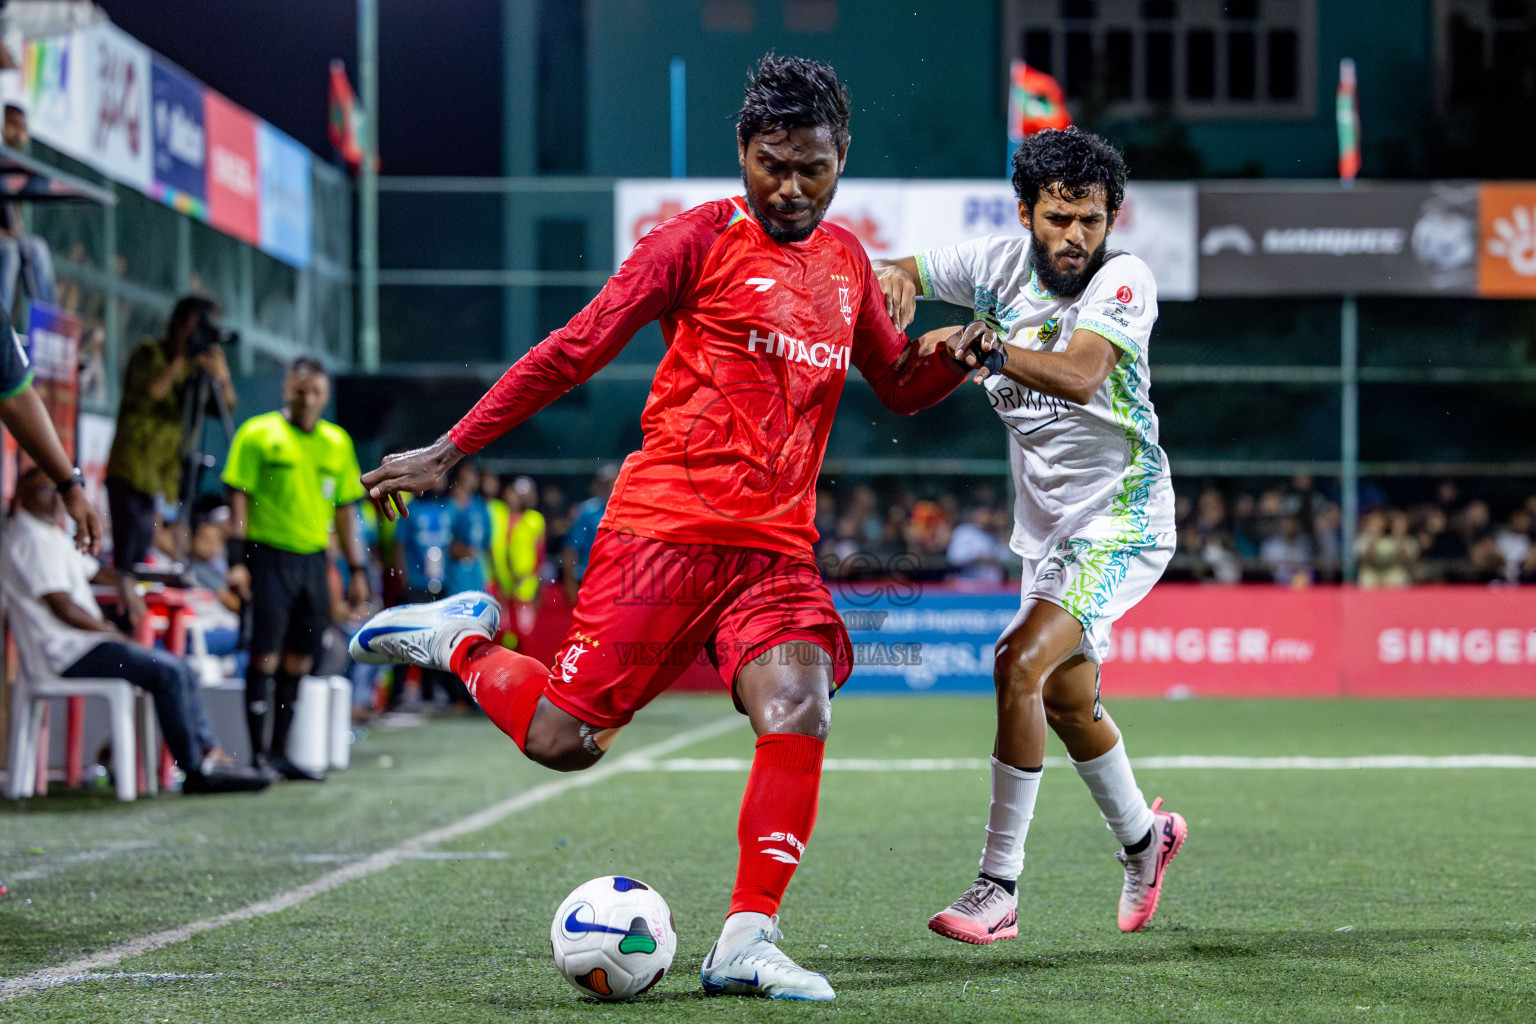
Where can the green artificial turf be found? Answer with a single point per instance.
(1398, 895)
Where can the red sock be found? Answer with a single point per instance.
(777, 815)
(507, 686)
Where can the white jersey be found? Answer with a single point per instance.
(1071, 463)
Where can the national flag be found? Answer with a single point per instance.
(346, 118)
(1035, 102)
(1348, 114)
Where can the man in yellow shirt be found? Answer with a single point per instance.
(500, 568)
(291, 475)
(525, 543)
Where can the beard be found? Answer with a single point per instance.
(782, 235)
(1067, 284)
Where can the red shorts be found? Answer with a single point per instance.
(649, 608)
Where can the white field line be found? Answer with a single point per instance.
(347, 858)
(1188, 762)
(56, 863)
(135, 976)
(80, 969)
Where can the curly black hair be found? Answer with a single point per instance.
(1071, 163)
(793, 92)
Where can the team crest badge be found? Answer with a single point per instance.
(568, 662)
(1048, 330)
(845, 303)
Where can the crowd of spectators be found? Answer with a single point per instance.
(1289, 533)
(1293, 535)
(888, 528)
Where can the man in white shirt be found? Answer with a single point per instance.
(46, 587)
(1060, 345)
(975, 549)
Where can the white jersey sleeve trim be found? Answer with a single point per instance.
(953, 273)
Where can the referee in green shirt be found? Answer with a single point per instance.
(291, 475)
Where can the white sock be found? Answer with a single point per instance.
(1013, 806)
(739, 927)
(1113, 785)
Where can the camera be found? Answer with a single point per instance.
(206, 335)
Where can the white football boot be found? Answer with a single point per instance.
(425, 634)
(757, 967)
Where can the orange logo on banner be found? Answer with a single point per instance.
(1506, 259)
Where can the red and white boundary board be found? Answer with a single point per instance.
(1226, 642)
(1439, 642)
(1259, 641)
(1187, 639)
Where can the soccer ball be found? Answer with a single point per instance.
(613, 937)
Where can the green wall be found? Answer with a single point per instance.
(1392, 43)
(927, 85)
(924, 79)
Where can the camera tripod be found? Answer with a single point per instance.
(203, 393)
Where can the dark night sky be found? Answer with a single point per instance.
(439, 69)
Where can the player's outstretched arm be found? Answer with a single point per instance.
(651, 281)
(26, 417)
(899, 283)
(905, 375)
(1073, 375)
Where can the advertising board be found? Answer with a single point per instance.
(899, 218)
(53, 349)
(102, 97)
(1506, 257)
(283, 170)
(1378, 239)
(115, 90)
(233, 194)
(181, 143)
(1189, 640)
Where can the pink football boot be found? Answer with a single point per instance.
(1144, 871)
(984, 913)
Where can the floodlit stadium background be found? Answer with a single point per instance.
(1376, 338)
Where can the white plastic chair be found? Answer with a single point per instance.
(207, 670)
(34, 685)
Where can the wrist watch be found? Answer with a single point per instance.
(75, 477)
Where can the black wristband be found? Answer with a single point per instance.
(995, 360)
(75, 477)
(235, 551)
(358, 567)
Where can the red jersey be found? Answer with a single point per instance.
(760, 336)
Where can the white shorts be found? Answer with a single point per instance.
(1097, 575)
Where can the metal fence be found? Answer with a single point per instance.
(122, 267)
(475, 271)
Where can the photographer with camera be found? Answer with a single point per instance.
(152, 421)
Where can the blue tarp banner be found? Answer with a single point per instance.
(911, 639)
